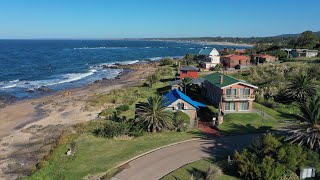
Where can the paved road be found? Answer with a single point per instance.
(159, 163)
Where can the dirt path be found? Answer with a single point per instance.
(159, 163)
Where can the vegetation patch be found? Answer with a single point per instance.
(203, 169)
(96, 155)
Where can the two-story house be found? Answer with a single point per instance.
(234, 61)
(212, 58)
(228, 93)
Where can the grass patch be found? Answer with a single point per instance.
(94, 155)
(246, 123)
(281, 114)
(197, 169)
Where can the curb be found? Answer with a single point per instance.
(153, 150)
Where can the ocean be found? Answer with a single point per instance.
(26, 65)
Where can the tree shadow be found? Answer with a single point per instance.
(163, 90)
(167, 80)
(239, 129)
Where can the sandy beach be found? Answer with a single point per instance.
(30, 128)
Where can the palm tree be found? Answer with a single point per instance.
(301, 87)
(153, 115)
(186, 81)
(308, 132)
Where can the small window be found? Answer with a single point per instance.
(184, 72)
(180, 106)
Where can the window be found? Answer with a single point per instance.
(245, 92)
(231, 92)
(230, 106)
(243, 106)
(180, 106)
(184, 72)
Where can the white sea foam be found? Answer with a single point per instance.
(84, 48)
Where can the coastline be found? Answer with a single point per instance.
(205, 42)
(30, 128)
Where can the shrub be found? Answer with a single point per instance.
(270, 158)
(166, 61)
(152, 79)
(107, 113)
(111, 129)
(122, 108)
(180, 120)
(213, 173)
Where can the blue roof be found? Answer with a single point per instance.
(205, 51)
(175, 94)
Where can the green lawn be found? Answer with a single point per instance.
(197, 169)
(273, 113)
(96, 155)
(246, 123)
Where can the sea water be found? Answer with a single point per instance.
(26, 65)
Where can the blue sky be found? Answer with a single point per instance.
(155, 18)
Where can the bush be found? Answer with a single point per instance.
(270, 158)
(181, 120)
(107, 113)
(111, 129)
(152, 79)
(122, 108)
(213, 173)
(166, 61)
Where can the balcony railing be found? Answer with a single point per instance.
(238, 97)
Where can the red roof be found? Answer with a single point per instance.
(263, 55)
(240, 50)
(237, 57)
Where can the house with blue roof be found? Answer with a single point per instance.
(178, 101)
(212, 58)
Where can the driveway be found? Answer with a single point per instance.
(161, 162)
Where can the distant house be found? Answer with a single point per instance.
(262, 58)
(233, 60)
(304, 53)
(228, 93)
(240, 51)
(178, 101)
(212, 58)
(188, 71)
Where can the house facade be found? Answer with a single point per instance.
(228, 93)
(212, 58)
(178, 101)
(304, 53)
(233, 60)
(188, 71)
(262, 58)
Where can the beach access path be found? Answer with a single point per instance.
(161, 162)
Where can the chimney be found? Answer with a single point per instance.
(221, 79)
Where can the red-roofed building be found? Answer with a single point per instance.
(188, 71)
(233, 60)
(240, 51)
(262, 58)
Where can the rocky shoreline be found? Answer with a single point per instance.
(31, 128)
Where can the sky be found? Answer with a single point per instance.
(105, 19)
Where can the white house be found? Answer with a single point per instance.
(212, 57)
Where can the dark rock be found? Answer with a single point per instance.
(44, 89)
(30, 91)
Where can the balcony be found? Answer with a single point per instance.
(238, 97)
